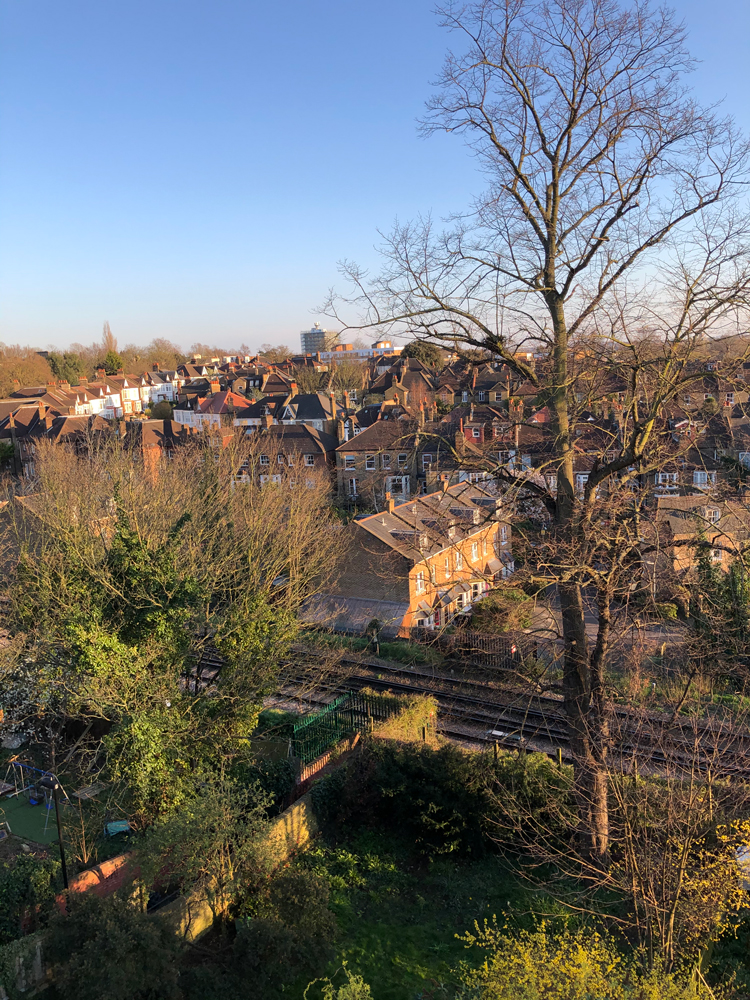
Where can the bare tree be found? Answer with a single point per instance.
(609, 235)
(109, 341)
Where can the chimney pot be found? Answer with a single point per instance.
(390, 503)
(444, 484)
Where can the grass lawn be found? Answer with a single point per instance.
(398, 913)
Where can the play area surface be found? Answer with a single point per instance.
(27, 821)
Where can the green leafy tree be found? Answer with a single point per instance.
(111, 362)
(161, 411)
(429, 354)
(67, 366)
(111, 948)
(213, 844)
(27, 890)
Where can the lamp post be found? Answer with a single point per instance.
(50, 782)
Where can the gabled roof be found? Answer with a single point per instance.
(429, 523)
(222, 402)
(381, 434)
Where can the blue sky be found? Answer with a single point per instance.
(195, 170)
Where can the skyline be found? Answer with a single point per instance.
(196, 174)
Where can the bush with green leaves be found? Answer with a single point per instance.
(212, 846)
(27, 891)
(541, 964)
(449, 801)
(111, 948)
(355, 988)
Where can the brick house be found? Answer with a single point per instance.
(420, 563)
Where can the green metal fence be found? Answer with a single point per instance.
(354, 712)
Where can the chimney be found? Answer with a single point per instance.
(16, 384)
(333, 405)
(421, 414)
(120, 371)
(100, 372)
(444, 483)
(83, 381)
(155, 367)
(294, 388)
(41, 409)
(267, 420)
(215, 385)
(317, 356)
(52, 385)
(65, 386)
(390, 503)
(347, 404)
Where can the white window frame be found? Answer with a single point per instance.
(385, 460)
(350, 461)
(370, 463)
(459, 560)
(353, 487)
(265, 460)
(403, 460)
(419, 582)
(474, 551)
(309, 460)
(427, 460)
(476, 432)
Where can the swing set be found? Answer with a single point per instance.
(32, 785)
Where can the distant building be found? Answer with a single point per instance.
(317, 339)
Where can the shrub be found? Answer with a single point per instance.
(446, 800)
(291, 935)
(503, 610)
(569, 965)
(27, 891)
(667, 610)
(111, 948)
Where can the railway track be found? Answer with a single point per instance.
(539, 725)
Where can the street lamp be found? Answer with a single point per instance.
(51, 784)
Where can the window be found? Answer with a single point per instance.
(666, 478)
(581, 479)
(464, 396)
(503, 532)
(419, 582)
(309, 460)
(353, 487)
(708, 395)
(427, 460)
(398, 486)
(729, 399)
(713, 514)
(476, 432)
(484, 546)
(369, 462)
(702, 478)
(447, 568)
(280, 458)
(265, 460)
(459, 561)
(385, 461)
(482, 395)
(402, 460)
(715, 555)
(350, 462)
(474, 551)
